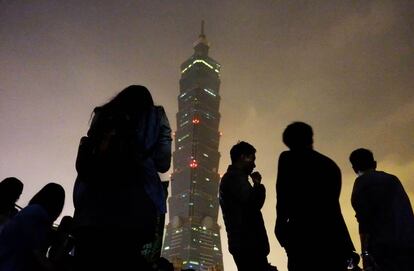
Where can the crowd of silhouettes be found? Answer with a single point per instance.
(120, 204)
(26, 237)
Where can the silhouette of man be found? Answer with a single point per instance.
(241, 203)
(309, 222)
(385, 216)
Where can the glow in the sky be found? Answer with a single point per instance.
(345, 67)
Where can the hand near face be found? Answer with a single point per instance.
(256, 177)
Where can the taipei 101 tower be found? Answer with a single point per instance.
(192, 238)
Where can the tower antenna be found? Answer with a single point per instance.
(202, 30)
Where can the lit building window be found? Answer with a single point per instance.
(184, 123)
(210, 92)
(202, 62)
(193, 163)
(183, 137)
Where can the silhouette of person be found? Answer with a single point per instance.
(116, 204)
(385, 216)
(309, 222)
(10, 190)
(25, 237)
(241, 204)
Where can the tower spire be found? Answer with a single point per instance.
(202, 35)
(201, 45)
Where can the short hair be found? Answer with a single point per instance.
(241, 148)
(11, 188)
(362, 159)
(298, 135)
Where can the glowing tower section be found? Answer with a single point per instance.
(192, 238)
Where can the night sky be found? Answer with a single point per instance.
(344, 67)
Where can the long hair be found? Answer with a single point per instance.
(52, 198)
(133, 100)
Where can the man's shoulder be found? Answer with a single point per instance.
(377, 177)
(232, 175)
(325, 160)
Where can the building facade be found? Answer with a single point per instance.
(192, 238)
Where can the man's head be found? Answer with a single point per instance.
(243, 156)
(298, 135)
(362, 160)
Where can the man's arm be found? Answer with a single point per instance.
(361, 205)
(244, 193)
(258, 196)
(281, 203)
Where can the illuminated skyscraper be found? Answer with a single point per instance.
(193, 235)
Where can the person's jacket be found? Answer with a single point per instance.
(383, 211)
(308, 212)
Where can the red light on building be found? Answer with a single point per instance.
(193, 163)
(196, 121)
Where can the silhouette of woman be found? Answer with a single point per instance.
(118, 192)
